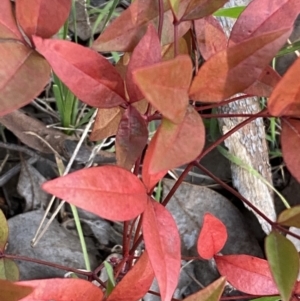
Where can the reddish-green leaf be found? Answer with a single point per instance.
(13, 292)
(132, 137)
(285, 98)
(3, 231)
(283, 259)
(171, 139)
(163, 245)
(194, 9)
(136, 282)
(290, 144)
(265, 84)
(290, 217)
(24, 74)
(174, 4)
(106, 123)
(297, 288)
(262, 17)
(146, 53)
(86, 73)
(8, 25)
(9, 270)
(212, 292)
(165, 85)
(62, 290)
(197, 9)
(225, 73)
(210, 36)
(42, 17)
(127, 30)
(173, 145)
(168, 51)
(212, 238)
(108, 191)
(248, 274)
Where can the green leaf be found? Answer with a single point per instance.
(288, 49)
(13, 292)
(111, 280)
(290, 217)
(175, 7)
(8, 270)
(211, 293)
(283, 260)
(3, 231)
(231, 12)
(272, 298)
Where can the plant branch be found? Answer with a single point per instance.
(160, 18)
(235, 193)
(43, 262)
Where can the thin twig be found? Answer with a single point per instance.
(13, 171)
(44, 110)
(38, 234)
(27, 151)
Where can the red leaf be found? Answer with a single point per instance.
(212, 238)
(163, 245)
(197, 9)
(136, 282)
(225, 73)
(108, 191)
(165, 85)
(290, 143)
(10, 291)
(265, 84)
(86, 73)
(261, 17)
(210, 36)
(248, 274)
(212, 292)
(173, 145)
(297, 288)
(42, 17)
(124, 33)
(132, 137)
(24, 74)
(168, 52)
(285, 97)
(106, 123)
(8, 25)
(146, 53)
(62, 290)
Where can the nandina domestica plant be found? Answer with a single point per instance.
(163, 81)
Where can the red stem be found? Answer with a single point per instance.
(43, 262)
(160, 18)
(176, 41)
(265, 115)
(221, 103)
(234, 192)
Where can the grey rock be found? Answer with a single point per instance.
(188, 206)
(29, 187)
(57, 246)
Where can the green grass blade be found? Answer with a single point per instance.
(289, 48)
(232, 12)
(237, 161)
(111, 281)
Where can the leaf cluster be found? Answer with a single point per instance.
(162, 81)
